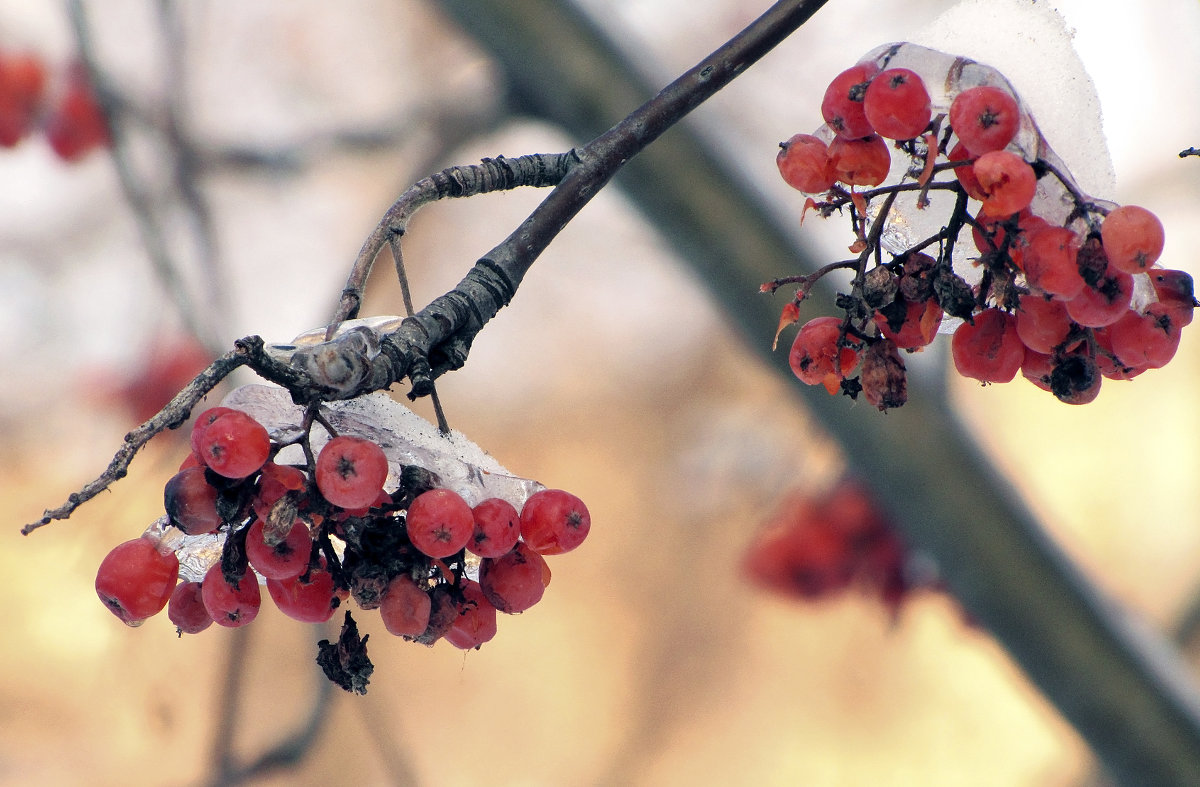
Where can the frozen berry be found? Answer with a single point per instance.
(475, 623)
(234, 445)
(231, 605)
(135, 580)
(405, 608)
(439, 522)
(186, 609)
(351, 471)
(516, 581)
(554, 521)
(497, 528)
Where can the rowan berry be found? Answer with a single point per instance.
(883, 376)
(234, 445)
(842, 105)
(351, 471)
(918, 325)
(1049, 259)
(186, 609)
(439, 523)
(1042, 322)
(1148, 339)
(135, 580)
(1176, 291)
(497, 528)
(554, 522)
(1103, 303)
(816, 357)
(1007, 181)
(1076, 378)
(805, 165)
(1133, 238)
(405, 608)
(988, 350)
(516, 581)
(897, 105)
(287, 557)
(308, 599)
(77, 126)
(191, 502)
(475, 622)
(863, 161)
(985, 118)
(22, 80)
(229, 605)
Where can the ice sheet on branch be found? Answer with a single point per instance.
(945, 76)
(1031, 44)
(405, 437)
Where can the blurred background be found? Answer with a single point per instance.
(613, 375)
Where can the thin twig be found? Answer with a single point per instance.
(140, 203)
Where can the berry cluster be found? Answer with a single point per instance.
(70, 118)
(434, 566)
(817, 546)
(1057, 286)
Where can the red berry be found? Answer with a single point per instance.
(275, 482)
(1007, 181)
(985, 118)
(804, 163)
(815, 356)
(77, 125)
(920, 326)
(842, 106)
(1042, 323)
(1133, 238)
(135, 580)
(554, 522)
(231, 605)
(234, 445)
(191, 502)
(497, 528)
(203, 421)
(286, 558)
(1104, 303)
(990, 349)
(516, 581)
(966, 173)
(405, 608)
(864, 161)
(1037, 368)
(1049, 257)
(475, 623)
(897, 104)
(186, 609)
(351, 471)
(439, 522)
(1145, 340)
(22, 79)
(308, 602)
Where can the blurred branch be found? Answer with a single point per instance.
(1123, 688)
(141, 204)
(288, 752)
